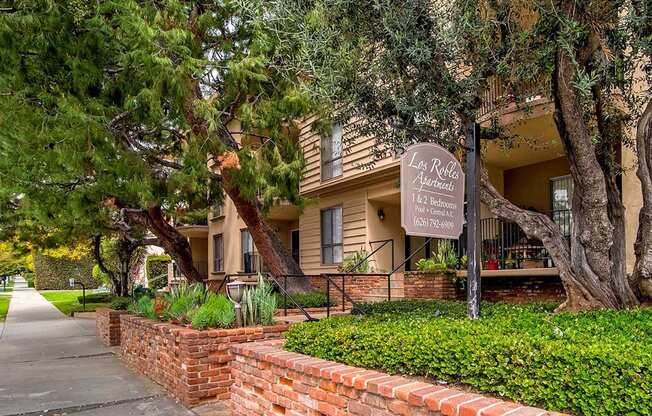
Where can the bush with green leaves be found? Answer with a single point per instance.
(144, 306)
(121, 303)
(100, 276)
(359, 259)
(217, 312)
(156, 268)
(259, 304)
(29, 277)
(96, 297)
(305, 300)
(594, 363)
(183, 299)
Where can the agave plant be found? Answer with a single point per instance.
(183, 300)
(258, 304)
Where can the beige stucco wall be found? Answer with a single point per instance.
(633, 201)
(529, 186)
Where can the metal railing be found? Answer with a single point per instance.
(283, 289)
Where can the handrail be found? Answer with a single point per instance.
(286, 295)
(374, 252)
(329, 281)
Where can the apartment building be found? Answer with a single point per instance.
(359, 209)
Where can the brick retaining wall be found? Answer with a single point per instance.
(270, 381)
(194, 366)
(107, 325)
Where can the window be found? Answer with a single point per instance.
(248, 258)
(561, 201)
(218, 253)
(331, 235)
(331, 154)
(217, 210)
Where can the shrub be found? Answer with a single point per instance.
(356, 259)
(100, 276)
(156, 268)
(96, 298)
(141, 290)
(595, 363)
(183, 299)
(54, 272)
(145, 306)
(217, 312)
(29, 277)
(120, 303)
(259, 304)
(305, 300)
(430, 265)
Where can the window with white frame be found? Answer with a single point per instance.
(331, 235)
(331, 153)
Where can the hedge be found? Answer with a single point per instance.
(596, 363)
(156, 266)
(305, 300)
(55, 272)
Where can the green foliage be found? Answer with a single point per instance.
(156, 268)
(217, 312)
(430, 265)
(140, 290)
(121, 303)
(259, 304)
(305, 300)
(96, 298)
(593, 363)
(100, 276)
(144, 306)
(109, 89)
(443, 259)
(183, 300)
(356, 259)
(29, 277)
(55, 272)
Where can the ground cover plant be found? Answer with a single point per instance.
(70, 301)
(592, 363)
(312, 299)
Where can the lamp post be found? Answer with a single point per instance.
(235, 292)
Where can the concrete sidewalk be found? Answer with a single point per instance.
(55, 364)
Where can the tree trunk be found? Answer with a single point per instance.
(536, 225)
(118, 289)
(642, 275)
(597, 265)
(169, 238)
(276, 257)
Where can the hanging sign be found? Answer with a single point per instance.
(432, 192)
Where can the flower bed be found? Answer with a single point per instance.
(194, 366)
(595, 363)
(270, 381)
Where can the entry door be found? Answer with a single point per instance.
(561, 200)
(294, 245)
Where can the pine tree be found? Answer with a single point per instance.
(112, 112)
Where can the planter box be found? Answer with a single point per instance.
(107, 325)
(194, 366)
(429, 285)
(532, 264)
(271, 381)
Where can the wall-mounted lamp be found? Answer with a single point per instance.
(381, 214)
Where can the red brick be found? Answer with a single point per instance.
(434, 401)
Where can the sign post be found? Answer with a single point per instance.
(473, 216)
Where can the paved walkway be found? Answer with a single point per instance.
(53, 364)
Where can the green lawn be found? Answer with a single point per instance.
(5, 297)
(66, 300)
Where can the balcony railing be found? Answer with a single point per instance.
(496, 96)
(506, 246)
